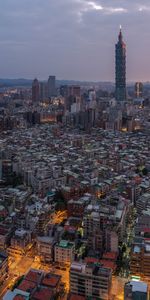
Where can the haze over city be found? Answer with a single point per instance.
(73, 39)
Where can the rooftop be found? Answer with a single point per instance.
(27, 286)
(34, 276)
(65, 244)
(76, 297)
(138, 286)
(51, 280)
(43, 293)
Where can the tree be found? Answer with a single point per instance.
(60, 201)
(145, 172)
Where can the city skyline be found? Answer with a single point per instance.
(73, 39)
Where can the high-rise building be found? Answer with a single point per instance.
(70, 90)
(140, 257)
(74, 90)
(35, 90)
(90, 280)
(120, 69)
(43, 90)
(51, 86)
(138, 89)
(73, 97)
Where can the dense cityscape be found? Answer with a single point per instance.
(75, 188)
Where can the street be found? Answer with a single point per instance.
(118, 287)
(19, 266)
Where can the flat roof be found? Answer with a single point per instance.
(65, 244)
(138, 286)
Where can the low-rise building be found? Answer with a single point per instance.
(43, 293)
(31, 281)
(52, 281)
(19, 242)
(45, 248)
(16, 295)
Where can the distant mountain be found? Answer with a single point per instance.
(22, 82)
(15, 82)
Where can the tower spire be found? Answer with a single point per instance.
(120, 34)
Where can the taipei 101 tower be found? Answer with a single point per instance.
(120, 69)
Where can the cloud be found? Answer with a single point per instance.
(91, 6)
(115, 10)
(144, 8)
(94, 5)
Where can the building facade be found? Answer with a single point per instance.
(90, 280)
(45, 246)
(3, 266)
(138, 89)
(35, 90)
(51, 86)
(140, 258)
(64, 252)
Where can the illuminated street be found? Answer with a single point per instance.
(19, 266)
(59, 217)
(118, 287)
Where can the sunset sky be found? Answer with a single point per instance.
(73, 39)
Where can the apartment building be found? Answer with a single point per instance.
(45, 247)
(140, 257)
(19, 242)
(90, 280)
(64, 252)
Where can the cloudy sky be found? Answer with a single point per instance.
(73, 39)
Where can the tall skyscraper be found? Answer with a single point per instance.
(35, 90)
(51, 86)
(120, 68)
(43, 90)
(138, 89)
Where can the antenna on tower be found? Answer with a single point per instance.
(120, 34)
